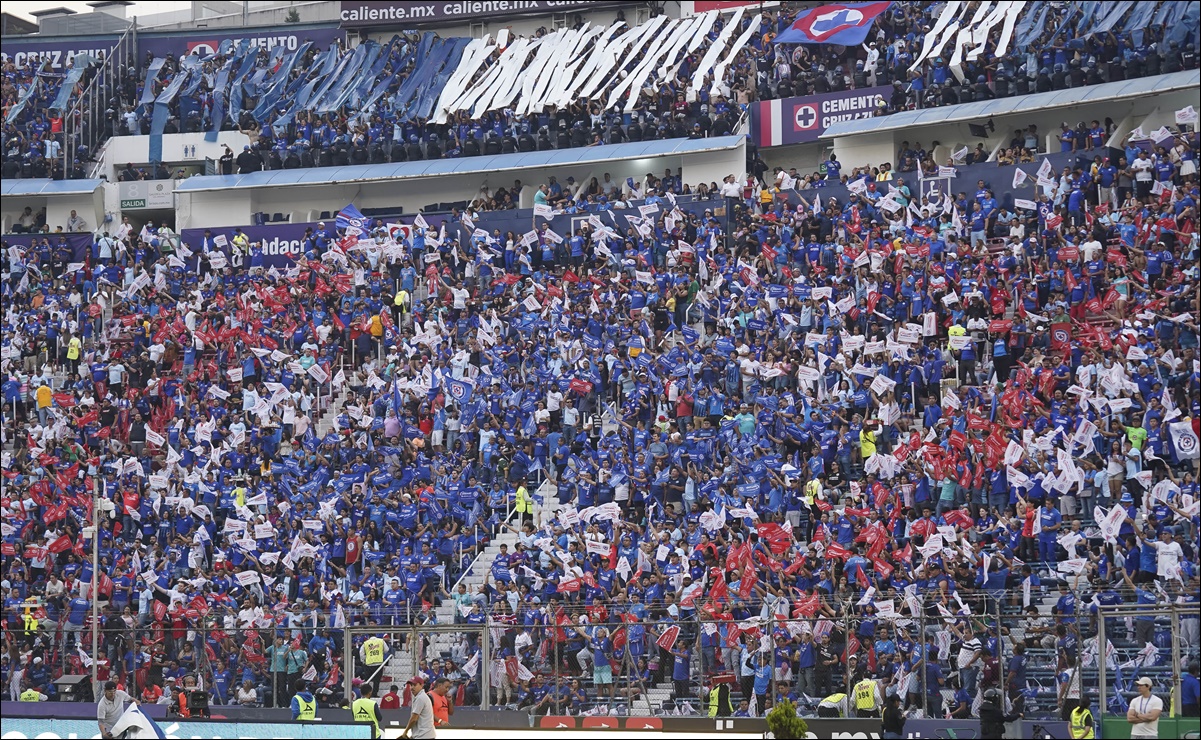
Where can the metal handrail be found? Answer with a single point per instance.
(90, 103)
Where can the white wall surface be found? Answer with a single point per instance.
(215, 208)
(862, 151)
(712, 167)
(136, 149)
(89, 206)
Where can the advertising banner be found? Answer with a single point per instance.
(281, 242)
(17, 728)
(960, 729)
(805, 119)
(207, 41)
(59, 52)
(356, 13)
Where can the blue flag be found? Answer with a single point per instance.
(350, 218)
(396, 400)
(459, 390)
(846, 24)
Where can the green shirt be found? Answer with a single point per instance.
(278, 657)
(1136, 435)
(746, 423)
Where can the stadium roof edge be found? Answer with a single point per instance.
(976, 111)
(30, 188)
(461, 166)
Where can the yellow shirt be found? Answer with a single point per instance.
(45, 397)
(867, 443)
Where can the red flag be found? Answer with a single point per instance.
(836, 550)
(957, 518)
(570, 585)
(853, 646)
(61, 544)
(808, 606)
(1069, 280)
(882, 568)
(747, 584)
(720, 591)
(667, 640)
(64, 400)
(777, 539)
(619, 638)
(957, 439)
(106, 585)
(1061, 336)
(54, 513)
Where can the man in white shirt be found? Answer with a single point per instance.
(571, 418)
(1142, 168)
(421, 713)
(110, 707)
(1170, 555)
(730, 188)
(1144, 711)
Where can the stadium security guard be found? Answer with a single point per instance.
(366, 710)
(373, 652)
(1080, 724)
(523, 504)
(719, 701)
(304, 704)
(865, 698)
(834, 705)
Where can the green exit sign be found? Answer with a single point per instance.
(133, 203)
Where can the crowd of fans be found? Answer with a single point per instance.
(759, 432)
(749, 420)
(284, 137)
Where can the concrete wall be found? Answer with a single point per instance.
(213, 208)
(860, 151)
(306, 203)
(713, 167)
(873, 149)
(136, 149)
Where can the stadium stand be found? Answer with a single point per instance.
(786, 433)
(386, 102)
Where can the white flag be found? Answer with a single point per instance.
(1185, 440)
(1019, 177)
(154, 438)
